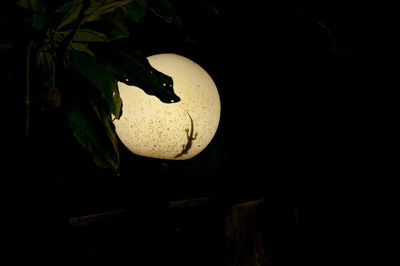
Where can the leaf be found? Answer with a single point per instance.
(115, 28)
(67, 6)
(98, 74)
(87, 35)
(99, 8)
(59, 38)
(37, 19)
(93, 36)
(92, 126)
(6, 46)
(165, 10)
(135, 10)
(81, 47)
(106, 30)
(45, 62)
(35, 5)
(96, 10)
(136, 70)
(72, 14)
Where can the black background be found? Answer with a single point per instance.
(308, 122)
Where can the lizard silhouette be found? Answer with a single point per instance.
(190, 138)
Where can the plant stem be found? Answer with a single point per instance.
(28, 92)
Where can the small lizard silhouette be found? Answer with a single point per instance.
(190, 138)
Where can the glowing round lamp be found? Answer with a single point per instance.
(175, 131)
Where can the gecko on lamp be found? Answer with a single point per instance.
(190, 138)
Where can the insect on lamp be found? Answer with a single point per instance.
(174, 131)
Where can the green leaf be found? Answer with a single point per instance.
(6, 46)
(135, 10)
(72, 14)
(36, 21)
(45, 62)
(165, 10)
(92, 126)
(99, 8)
(35, 5)
(136, 70)
(87, 35)
(59, 38)
(106, 30)
(81, 47)
(67, 6)
(96, 10)
(115, 28)
(100, 75)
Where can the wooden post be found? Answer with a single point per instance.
(243, 237)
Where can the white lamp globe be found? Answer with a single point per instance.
(175, 131)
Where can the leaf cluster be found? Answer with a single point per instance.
(69, 41)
